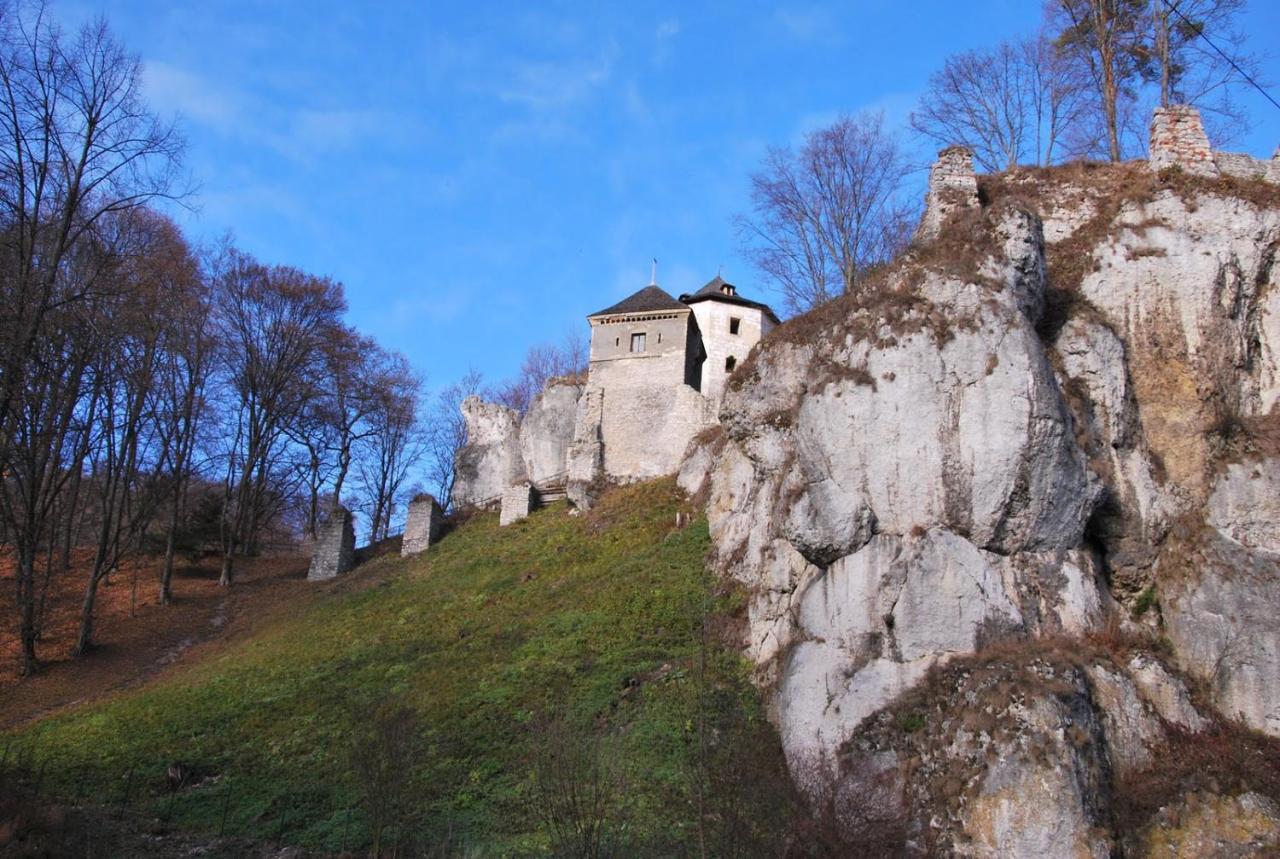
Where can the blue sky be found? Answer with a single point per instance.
(481, 176)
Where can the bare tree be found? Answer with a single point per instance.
(542, 363)
(1107, 41)
(394, 443)
(77, 144)
(1009, 104)
(827, 213)
(1191, 70)
(272, 321)
(181, 403)
(446, 433)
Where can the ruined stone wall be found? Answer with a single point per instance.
(422, 527)
(953, 185)
(646, 429)
(517, 501)
(547, 431)
(335, 549)
(1178, 139)
(491, 460)
(713, 322)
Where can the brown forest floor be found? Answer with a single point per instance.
(136, 636)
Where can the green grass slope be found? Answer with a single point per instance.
(460, 698)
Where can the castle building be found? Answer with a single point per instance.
(657, 373)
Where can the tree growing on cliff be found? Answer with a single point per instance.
(1009, 104)
(1136, 51)
(826, 213)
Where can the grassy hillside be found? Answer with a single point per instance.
(460, 697)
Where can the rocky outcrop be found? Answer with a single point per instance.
(895, 492)
(1014, 756)
(1218, 601)
(1245, 504)
(1007, 446)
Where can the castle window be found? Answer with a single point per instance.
(637, 342)
(734, 322)
(730, 363)
(617, 341)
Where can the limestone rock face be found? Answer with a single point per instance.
(1218, 604)
(1136, 508)
(547, 431)
(1208, 826)
(1190, 289)
(491, 460)
(1245, 505)
(974, 461)
(891, 501)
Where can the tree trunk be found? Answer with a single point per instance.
(166, 574)
(27, 609)
(84, 642)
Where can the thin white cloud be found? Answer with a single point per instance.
(810, 24)
(551, 85)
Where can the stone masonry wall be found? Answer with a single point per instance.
(517, 501)
(953, 185)
(335, 551)
(1178, 139)
(422, 527)
(713, 319)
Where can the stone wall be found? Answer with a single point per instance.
(547, 431)
(517, 501)
(585, 458)
(335, 550)
(491, 460)
(713, 321)
(953, 185)
(422, 527)
(1178, 140)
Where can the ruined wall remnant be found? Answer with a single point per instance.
(1178, 140)
(953, 186)
(422, 527)
(335, 551)
(517, 501)
(546, 431)
(491, 460)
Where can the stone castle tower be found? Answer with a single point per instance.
(657, 372)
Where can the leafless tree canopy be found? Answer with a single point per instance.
(823, 215)
(1012, 104)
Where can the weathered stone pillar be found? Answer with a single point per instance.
(335, 551)
(953, 185)
(585, 459)
(1178, 140)
(517, 500)
(422, 526)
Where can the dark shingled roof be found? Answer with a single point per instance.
(651, 298)
(713, 291)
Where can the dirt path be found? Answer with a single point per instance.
(137, 637)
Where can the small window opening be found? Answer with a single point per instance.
(734, 322)
(730, 363)
(659, 336)
(617, 341)
(637, 342)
